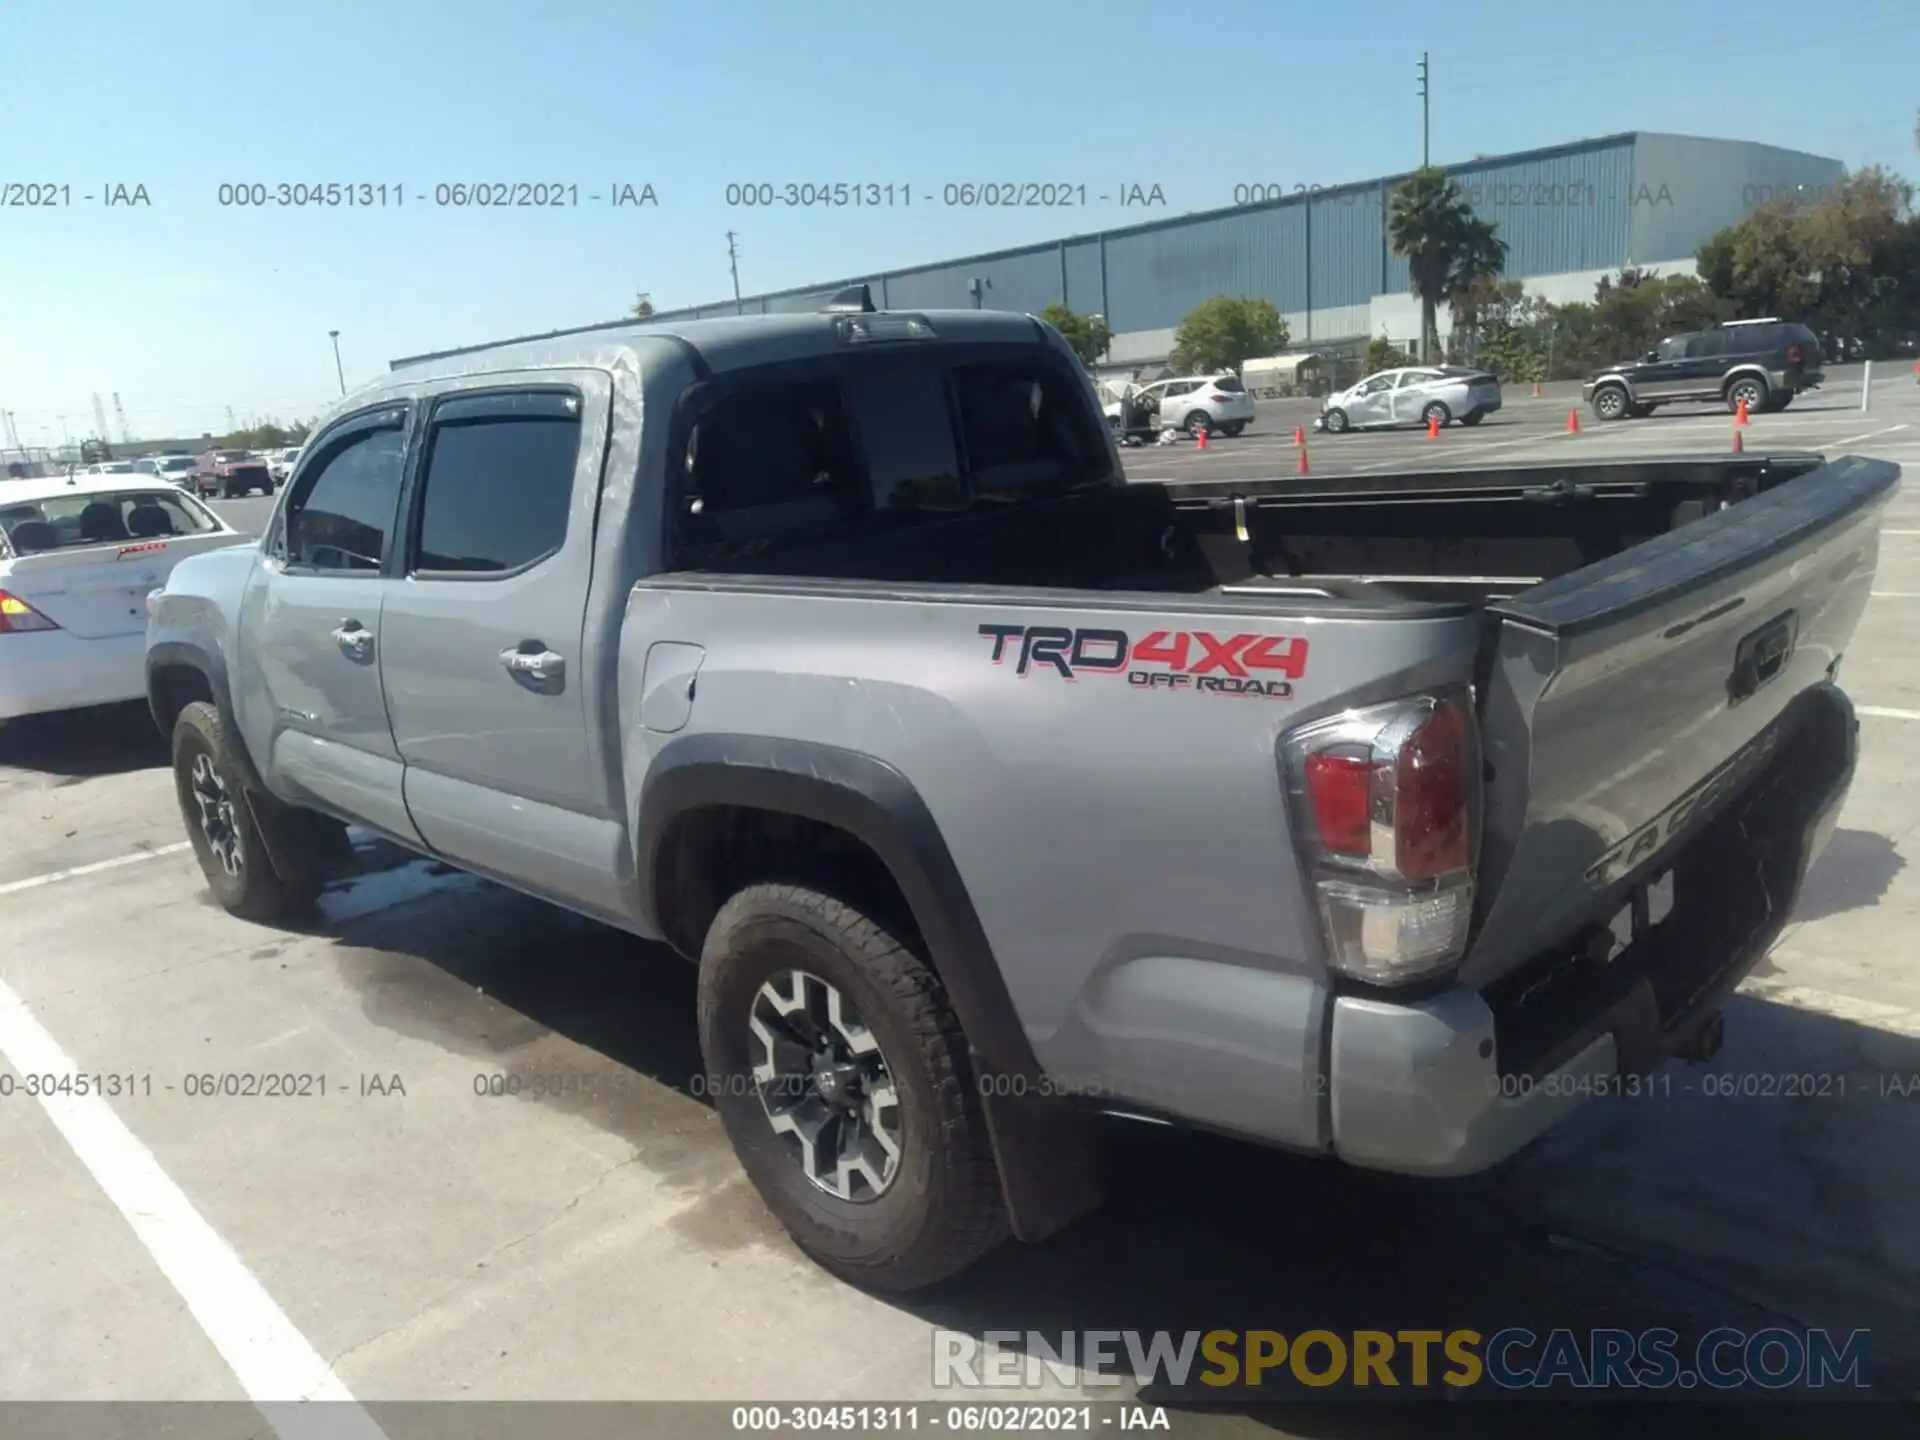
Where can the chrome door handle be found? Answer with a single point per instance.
(353, 637)
(541, 664)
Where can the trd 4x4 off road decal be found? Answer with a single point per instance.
(1161, 660)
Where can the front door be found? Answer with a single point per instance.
(1665, 377)
(311, 697)
(491, 685)
(1373, 403)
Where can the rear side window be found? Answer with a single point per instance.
(770, 460)
(1025, 429)
(343, 519)
(498, 482)
(1748, 339)
(1709, 344)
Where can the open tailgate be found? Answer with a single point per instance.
(1623, 703)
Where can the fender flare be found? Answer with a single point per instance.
(876, 804)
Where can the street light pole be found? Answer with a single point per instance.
(1426, 127)
(334, 335)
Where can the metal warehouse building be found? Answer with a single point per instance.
(1569, 215)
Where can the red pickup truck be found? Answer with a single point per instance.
(231, 474)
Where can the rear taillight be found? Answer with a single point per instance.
(1794, 355)
(1220, 399)
(17, 617)
(1386, 813)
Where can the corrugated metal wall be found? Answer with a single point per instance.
(1685, 190)
(1594, 205)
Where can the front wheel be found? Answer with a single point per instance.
(842, 1079)
(1336, 421)
(1610, 403)
(222, 829)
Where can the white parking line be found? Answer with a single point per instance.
(1881, 712)
(1856, 439)
(271, 1359)
(1895, 594)
(36, 881)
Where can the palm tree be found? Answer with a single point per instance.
(1446, 246)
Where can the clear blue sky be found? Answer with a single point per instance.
(185, 308)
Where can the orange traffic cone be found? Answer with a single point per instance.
(1573, 422)
(1300, 431)
(1739, 447)
(1300, 467)
(1433, 427)
(1536, 389)
(1740, 412)
(1200, 438)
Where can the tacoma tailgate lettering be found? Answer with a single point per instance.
(1196, 660)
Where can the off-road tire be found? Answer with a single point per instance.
(943, 1209)
(259, 892)
(1760, 398)
(1610, 402)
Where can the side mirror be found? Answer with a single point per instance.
(1652, 355)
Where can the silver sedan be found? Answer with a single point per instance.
(1412, 395)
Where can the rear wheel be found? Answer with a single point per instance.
(1473, 417)
(1436, 414)
(1198, 421)
(1230, 431)
(1783, 400)
(1610, 403)
(1749, 389)
(222, 829)
(842, 1078)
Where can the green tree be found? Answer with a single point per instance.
(1446, 246)
(1225, 332)
(1383, 354)
(1844, 265)
(1087, 334)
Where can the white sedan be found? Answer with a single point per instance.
(1413, 395)
(77, 560)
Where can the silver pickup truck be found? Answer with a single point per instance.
(1383, 818)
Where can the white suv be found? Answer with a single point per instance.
(1219, 404)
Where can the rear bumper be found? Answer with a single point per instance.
(1456, 1083)
(45, 671)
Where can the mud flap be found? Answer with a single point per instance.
(297, 840)
(1049, 1161)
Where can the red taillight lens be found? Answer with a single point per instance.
(1793, 354)
(1431, 831)
(1341, 790)
(1220, 399)
(18, 617)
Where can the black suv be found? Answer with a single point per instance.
(1764, 362)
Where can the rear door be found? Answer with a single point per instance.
(309, 692)
(109, 551)
(487, 679)
(1412, 395)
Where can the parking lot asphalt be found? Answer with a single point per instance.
(407, 1235)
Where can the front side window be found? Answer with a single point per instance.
(499, 482)
(343, 518)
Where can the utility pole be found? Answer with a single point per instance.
(733, 264)
(1426, 111)
(334, 335)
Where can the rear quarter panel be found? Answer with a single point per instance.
(1112, 837)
